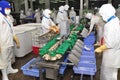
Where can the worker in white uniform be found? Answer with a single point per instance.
(29, 12)
(60, 16)
(96, 20)
(22, 16)
(111, 46)
(7, 36)
(66, 7)
(53, 15)
(48, 25)
(37, 16)
(72, 15)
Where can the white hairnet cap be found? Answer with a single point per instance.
(72, 8)
(47, 12)
(21, 11)
(118, 5)
(66, 7)
(61, 8)
(107, 10)
(36, 10)
(88, 15)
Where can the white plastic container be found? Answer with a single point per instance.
(25, 38)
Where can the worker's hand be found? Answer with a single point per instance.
(51, 28)
(55, 29)
(101, 48)
(16, 41)
(98, 50)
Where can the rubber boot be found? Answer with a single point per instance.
(10, 69)
(4, 74)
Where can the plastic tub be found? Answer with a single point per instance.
(35, 49)
(30, 71)
(25, 37)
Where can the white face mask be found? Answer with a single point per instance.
(7, 11)
(105, 18)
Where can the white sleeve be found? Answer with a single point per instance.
(45, 24)
(92, 23)
(60, 17)
(52, 23)
(13, 30)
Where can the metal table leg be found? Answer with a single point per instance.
(81, 77)
(40, 73)
(91, 77)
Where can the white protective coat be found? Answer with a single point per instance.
(111, 56)
(46, 21)
(60, 16)
(97, 21)
(6, 40)
(22, 15)
(61, 19)
(37, 16)
(66, 7)
(29, 12)
(72, 15)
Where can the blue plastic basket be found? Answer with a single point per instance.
(88, 53)
(91, 34)
(84, 70)
(91, 47)
(89, 40)
(89, 60)
(30, 72)
(86, 65)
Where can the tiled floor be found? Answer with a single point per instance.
(67, 76)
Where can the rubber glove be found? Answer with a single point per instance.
(54, 28)
(57, 29)
(101, 48)
(16, 41)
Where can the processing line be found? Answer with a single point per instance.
(57, 47)
(53, 66)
